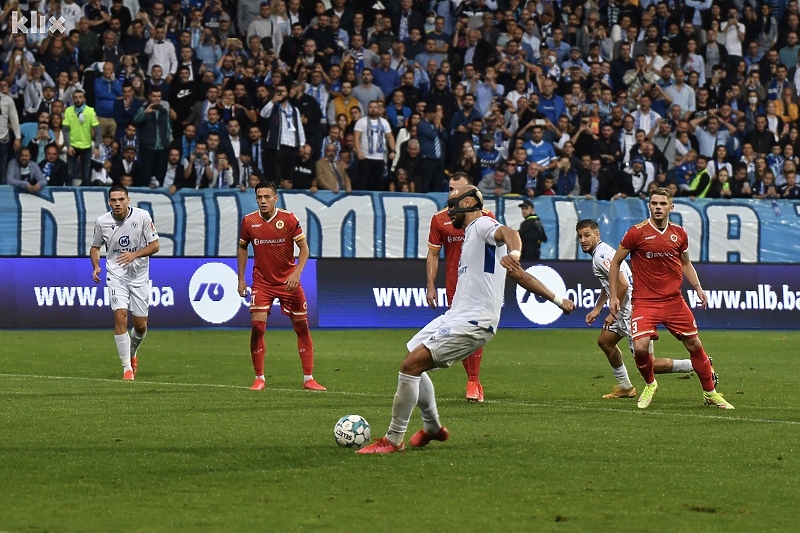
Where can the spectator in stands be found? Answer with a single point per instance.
(83, 127)
(332, 174)
(285, 134)
(161, 52)
(53, 168)
(155, 131)
(24, 174)
(107, 89)
(373, 143)
(496, 182)
(9, 124)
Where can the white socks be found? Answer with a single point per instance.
(307, 377)
(124, 350)
(681, 365)
(404, 401)
(621, 374)
(136, 340)
(427, 404)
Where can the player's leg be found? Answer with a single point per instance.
(416, 362)
(680, 322)
(643, 331)
(260, 303)
(140, 305)
(120, 299)
(472, 365)
(437, 345)
(607, 341)
(294, 305)
(432, 429)
(258, 348)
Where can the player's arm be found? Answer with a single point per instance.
(94, 255)
(691, 276)
(595, 312)
(511, 262)
(241, 265)
(431, 269)
(126, 258)
(293, 281)
(513, 243)
(614, 280)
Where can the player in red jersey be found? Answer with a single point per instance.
(659, 261)
(443, 235)
(273, 233)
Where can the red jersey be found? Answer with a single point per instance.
(656, 260)
(273, 244)
(442, 233)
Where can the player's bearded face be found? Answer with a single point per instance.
(588, 240)
(459, 220)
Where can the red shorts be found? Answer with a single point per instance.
(292, 303)
(674, 314)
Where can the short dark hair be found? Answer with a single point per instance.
(266, 185)
(118, 187)
(587, 223)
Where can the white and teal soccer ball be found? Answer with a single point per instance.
(351, 431)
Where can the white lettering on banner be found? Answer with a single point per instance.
(87, 296)
(397, 226)
(95, 203)
(228, 234)
(692, 222)
(763, 297)
(194, 226)
(163, 211)
(567, 218)
(719, 241)
(333, 222)
(364, 225)
(62, 209)
(404, 296)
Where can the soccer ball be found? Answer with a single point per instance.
(351, 431)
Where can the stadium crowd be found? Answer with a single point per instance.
(604, 99)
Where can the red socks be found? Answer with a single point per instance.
(472, 365)
(304, 346)
(257, 346)
(702, 368)
(644, 362)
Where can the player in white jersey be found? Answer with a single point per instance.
(615, 330)
(130, 238)
(490, 249)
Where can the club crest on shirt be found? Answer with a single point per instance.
(134, 224)
(673, 237)
(279, 224)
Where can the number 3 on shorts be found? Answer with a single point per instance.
(634, 326)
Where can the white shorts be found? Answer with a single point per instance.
(622, 327)
(123, 296)
(450, 341)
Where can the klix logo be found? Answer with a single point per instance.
(39, 24)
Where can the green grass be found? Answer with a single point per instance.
(188, 448)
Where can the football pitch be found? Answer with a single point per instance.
(187, 447)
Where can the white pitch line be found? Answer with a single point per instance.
(553, 405)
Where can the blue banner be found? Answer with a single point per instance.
(205, 223)
(377, 293)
